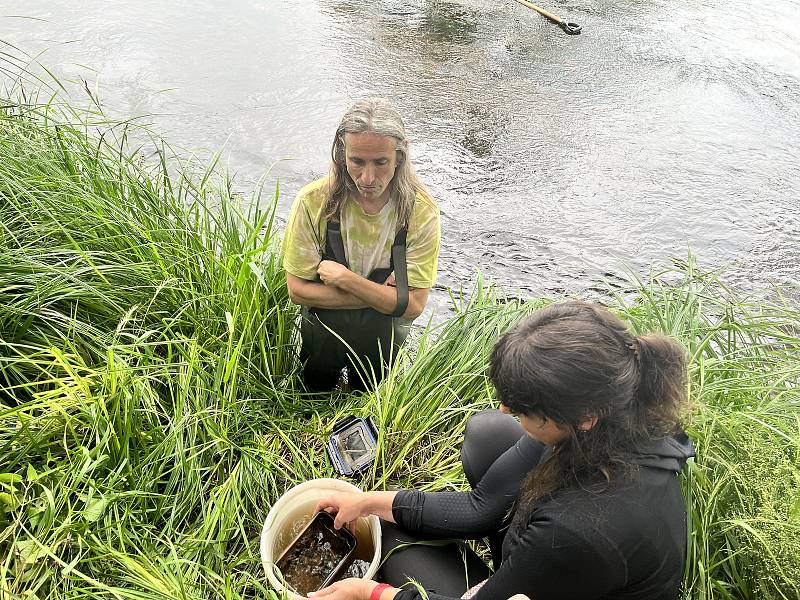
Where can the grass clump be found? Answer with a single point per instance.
(150, 411)
(138, 329)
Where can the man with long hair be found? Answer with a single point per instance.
(361, 250)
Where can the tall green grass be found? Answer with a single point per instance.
(150, 410)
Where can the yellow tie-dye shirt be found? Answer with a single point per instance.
(367, 238)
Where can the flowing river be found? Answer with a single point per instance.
(560, 163)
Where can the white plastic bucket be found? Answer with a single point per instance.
(296, 507)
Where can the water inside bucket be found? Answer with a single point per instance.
(320, 555)
(358, 569)
(298, 518)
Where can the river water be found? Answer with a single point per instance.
(559, 162)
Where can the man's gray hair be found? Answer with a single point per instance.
(375, 115)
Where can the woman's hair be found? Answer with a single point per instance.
(575, 361)
(375, 115)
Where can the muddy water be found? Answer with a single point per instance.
(317, 557)
(303, 573)
(558, 161)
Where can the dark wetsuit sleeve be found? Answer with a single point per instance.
(473, 514)
(549, 562)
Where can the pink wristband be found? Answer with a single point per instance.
(378, 590)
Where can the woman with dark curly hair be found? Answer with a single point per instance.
(580, 499)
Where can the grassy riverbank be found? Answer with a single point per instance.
(149, 404)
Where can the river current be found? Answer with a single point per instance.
(560, 163)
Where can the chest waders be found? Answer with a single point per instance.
(361, 339)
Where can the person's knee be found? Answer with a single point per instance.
(476, 421)
(487, 425)
(487, 435)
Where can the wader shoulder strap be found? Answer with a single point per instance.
(400, 267)
(334, 244)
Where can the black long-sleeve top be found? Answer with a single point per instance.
(625, 542)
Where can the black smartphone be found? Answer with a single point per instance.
(318, 556)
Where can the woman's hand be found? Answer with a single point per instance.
(347, 506)
(346, 589)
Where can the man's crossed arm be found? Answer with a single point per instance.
(341, 288)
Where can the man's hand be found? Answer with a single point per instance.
(332, 273)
